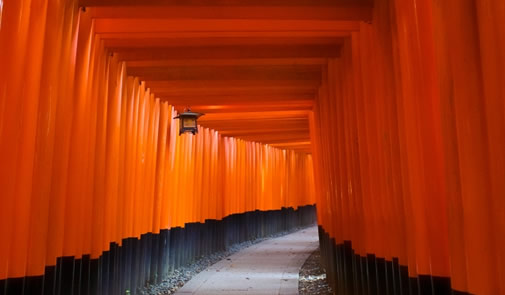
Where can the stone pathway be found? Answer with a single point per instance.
(269, 267)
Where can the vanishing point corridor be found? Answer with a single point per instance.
(138, 137)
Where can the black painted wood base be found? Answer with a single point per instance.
(351, 274)
(151, 258)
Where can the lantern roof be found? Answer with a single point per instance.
(189, 113)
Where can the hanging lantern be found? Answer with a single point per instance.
(188, 121)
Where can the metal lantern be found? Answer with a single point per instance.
(188, 121)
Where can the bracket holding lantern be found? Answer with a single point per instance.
(188, 121)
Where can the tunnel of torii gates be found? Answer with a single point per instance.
(388, 115)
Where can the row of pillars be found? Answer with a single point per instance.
(409, 136)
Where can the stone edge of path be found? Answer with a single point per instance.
(312, 276)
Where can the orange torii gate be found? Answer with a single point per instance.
(388, 114)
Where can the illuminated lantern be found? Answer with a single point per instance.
(188, 122)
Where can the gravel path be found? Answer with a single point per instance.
(313, 277)
(180, 276)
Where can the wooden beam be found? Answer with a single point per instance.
(260, 98)
(275, 115)
(236, 96)
(244, 107)
(278, 138)
(254, 126)
(295, 140)
(208, 73)
(150, 25)
(213, 106)
(301, 146)
(272, 130)
(174, 35)
(227, 62)
(295, 144)
(292, 123)
(126, 42)
(228, 52)
(246, 3)
(304, 143)
(255, 108)
(234, 85)
(231, 91)
(254, 11)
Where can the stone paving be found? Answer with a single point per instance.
(269, 267)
